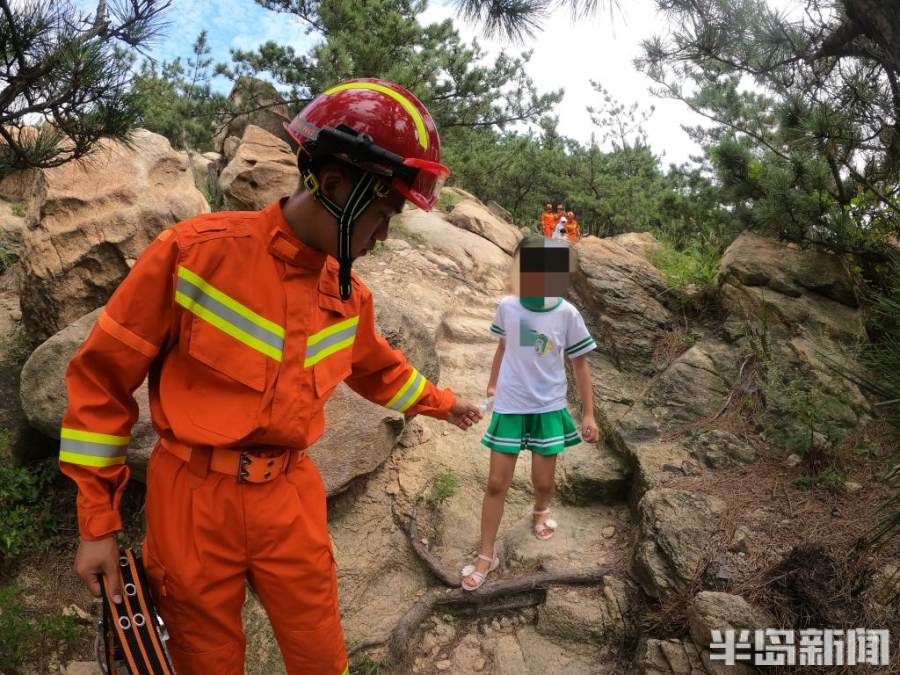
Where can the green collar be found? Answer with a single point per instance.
(536, 304)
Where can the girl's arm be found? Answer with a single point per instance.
(589, 428)
(495, 367)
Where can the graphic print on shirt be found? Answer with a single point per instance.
(529, 337)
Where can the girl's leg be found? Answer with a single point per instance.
(543, 478)
(500, 477)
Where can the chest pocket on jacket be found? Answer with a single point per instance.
(228, 386)
(234, 345)
(329, 351)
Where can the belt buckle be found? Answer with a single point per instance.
(259, 469)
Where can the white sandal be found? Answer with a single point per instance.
(470, 571)
(548, 524)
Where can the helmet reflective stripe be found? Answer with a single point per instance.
(408, 106)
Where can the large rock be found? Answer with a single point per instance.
(717, 449)
(456, 251)
(572, 614)
(808, 290)
(620, 293)
(588, 474)
(475, 217)
(676, 528)
(43, 390)
(643, 244)
(694, 386)
(262, 170)
(90, 220)
(269, 111)
(711, 611)
(359, 435)
(753, 260)
(661, 657)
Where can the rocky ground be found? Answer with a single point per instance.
(686, 506)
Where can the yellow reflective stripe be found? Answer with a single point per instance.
(316, 338)
(415, 396)
(89, 460)
(229, 302)
(93, 437)
(408, 105)
(328, 351)
(399, 395)
(223, 325)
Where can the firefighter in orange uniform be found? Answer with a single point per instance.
(573, 232)
(246, 322)
(548, 220)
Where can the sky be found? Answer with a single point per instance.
(566, 54)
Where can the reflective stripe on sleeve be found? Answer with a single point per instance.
(90, 448)
(409, 393)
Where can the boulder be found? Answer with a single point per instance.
(676, 527)
(90, 220)
(754, 260)
(475, 217)
(262, 170)
(572, 614)
(589, 474)
(270, 112)
(467, 328)
(658, 657)
(474, 256)
(543, 656)
(717, 449)
(359, 435)
(812, 291)
(405, 332)
(711, 611)
(694, 386)
(507, 657)
(619, 293)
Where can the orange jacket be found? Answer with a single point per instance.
(573, 232)
(244, 335)
(548, 222)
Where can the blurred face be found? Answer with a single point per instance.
(548, 207)
(540, 272)
(560, 209)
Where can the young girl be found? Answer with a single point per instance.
(528, 381)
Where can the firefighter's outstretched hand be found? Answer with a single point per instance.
(96, 558)
(464, 414)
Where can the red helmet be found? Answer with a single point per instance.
(380, 127)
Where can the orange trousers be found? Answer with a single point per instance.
(207, 536)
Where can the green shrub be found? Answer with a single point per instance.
(691, 265)
(25, 637)
(26, 514)
(443, 487)
(7, 259)
(448, 200)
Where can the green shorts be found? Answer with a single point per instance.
(546, 433)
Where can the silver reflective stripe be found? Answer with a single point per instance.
(228, 314)
(331, 340)
(403, 403)
(93, 449)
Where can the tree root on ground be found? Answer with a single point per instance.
(497, 596)
(434, 565)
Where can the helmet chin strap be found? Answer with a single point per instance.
(361, 196)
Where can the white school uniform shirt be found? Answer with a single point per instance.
(532, 375)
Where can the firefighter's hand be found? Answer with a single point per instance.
(99, 557)
(464, 414)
